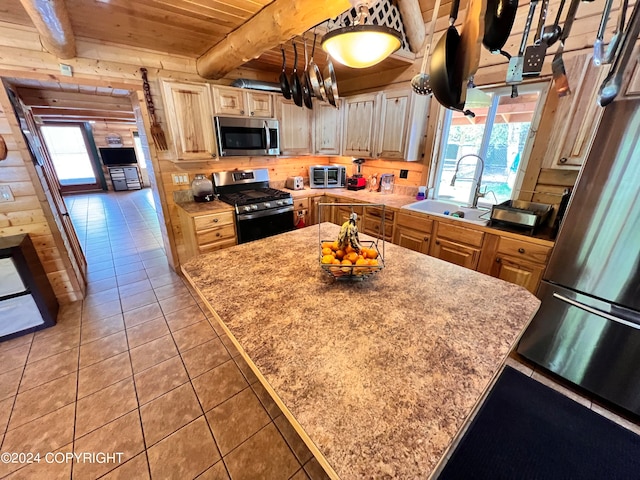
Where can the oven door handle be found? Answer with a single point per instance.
(264, 213)
(267, 135)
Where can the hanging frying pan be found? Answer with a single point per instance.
(315, 77)
(498, 22)
(284, 81)
(442, 69)
(306, 83)
(296, 88)
(330, 83)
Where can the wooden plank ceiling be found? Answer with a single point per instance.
(55, 102)
(191, 27)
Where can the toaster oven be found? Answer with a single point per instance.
(327, 176)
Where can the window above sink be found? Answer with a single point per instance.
(498, 134)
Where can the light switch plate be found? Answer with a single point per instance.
(180, 178)
(5, 194)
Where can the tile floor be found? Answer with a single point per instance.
(138, 367)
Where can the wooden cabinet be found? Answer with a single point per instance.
(295, 128)
(403, 122)
(633, 87)
(322, 214)
(372, 224)
(241, 102)
(361, 113)
(207, 232)
(516, 261)
(188, 111)
(577, 116)
(327, 124)
(413, 232)
(457, 244)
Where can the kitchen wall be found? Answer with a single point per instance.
(30, 212)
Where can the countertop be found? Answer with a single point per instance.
(377, 376)
(393, 200)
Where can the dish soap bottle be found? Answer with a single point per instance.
(202, 188)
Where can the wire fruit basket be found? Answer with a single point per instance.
(349, 264)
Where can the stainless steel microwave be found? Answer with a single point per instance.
(247, 137)
(327, 176)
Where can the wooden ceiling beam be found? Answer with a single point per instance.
(51, 19)
(413, 23)
(278, 22)
(82, 113)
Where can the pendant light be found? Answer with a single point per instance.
(361, 45)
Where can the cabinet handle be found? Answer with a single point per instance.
(241, 112)
(521, 250)
(498, 260)
(426, 239)
(215, 220)
(218, 234)
(437, 242)
(564, 160)
(252, 114)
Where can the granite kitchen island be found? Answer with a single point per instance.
(377, 376)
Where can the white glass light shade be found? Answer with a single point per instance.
(361, 46)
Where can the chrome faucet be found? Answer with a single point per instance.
(476, 194)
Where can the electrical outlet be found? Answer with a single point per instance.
(180, 178)
(5, 194)
(66, 70)
(404, 173)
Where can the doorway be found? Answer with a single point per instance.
(72, 161)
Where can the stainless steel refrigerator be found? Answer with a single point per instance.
(588, 327)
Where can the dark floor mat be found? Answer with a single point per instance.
(527, 431)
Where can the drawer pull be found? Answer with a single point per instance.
(241, 112)
(437, 242)
(521, 250)
(218, 234)
(426, 239)
(215, 220)
(498, 260)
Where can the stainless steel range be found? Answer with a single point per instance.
(260, 211)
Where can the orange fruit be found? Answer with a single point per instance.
(372, 253)
(326, 245)
(373, 261)
(327, 259)
(339, 253)
(346, 262)
(361, 261)
(336, 261)
(352, 257)
(349, 249)
(326, 251)
(335, 245)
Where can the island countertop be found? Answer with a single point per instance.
(377, 376)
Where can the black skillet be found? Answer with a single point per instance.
(284, 82)
(306, 82)
(296, 88)
(498, 23)
(444, 79)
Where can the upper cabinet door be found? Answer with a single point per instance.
(327, 129)
(360, 122)
(394, 117)
(260, 104)
(188, 110)
(229, 101)
(295, 128)
(238, 102)
(577, 116)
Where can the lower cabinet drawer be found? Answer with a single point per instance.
(210, 247)
(214, 220)
(216, 234)
(459, 234)
(522, 250)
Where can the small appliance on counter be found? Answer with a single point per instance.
(386, 183)
(357, 180)
(202, 188)
(327, 176)
(294, 183)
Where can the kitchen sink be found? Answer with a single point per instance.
(479, 216)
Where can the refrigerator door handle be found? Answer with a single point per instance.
(595, 311)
